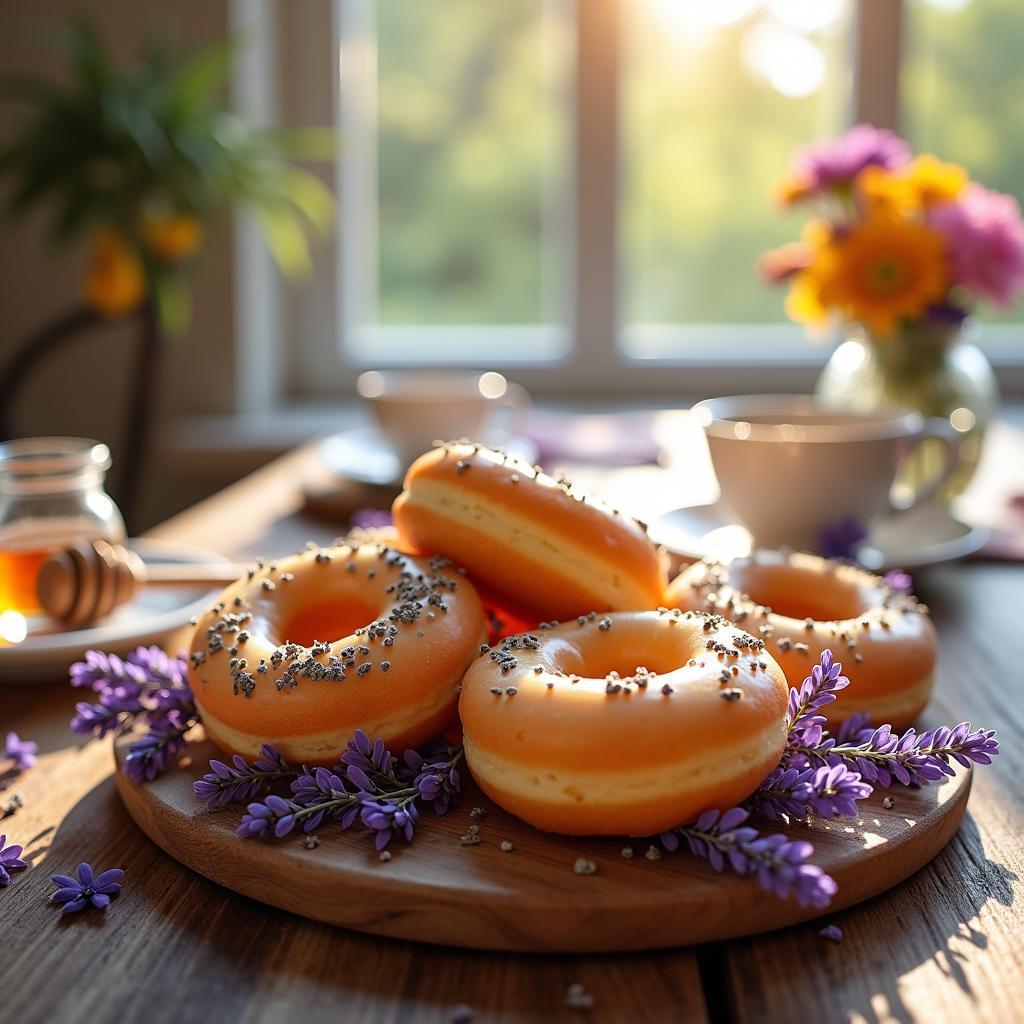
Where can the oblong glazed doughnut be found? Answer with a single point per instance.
(801, 604)
(303, 652)
(623, 724)
(539, 547)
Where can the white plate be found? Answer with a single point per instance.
(365, 456)
(923, 536)
(151, 618)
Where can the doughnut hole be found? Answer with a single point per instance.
(623, 649)
(325, 621)
(798, 592)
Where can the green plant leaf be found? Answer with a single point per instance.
(285, 238)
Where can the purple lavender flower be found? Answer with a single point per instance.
(101, 671)
(833, 932)
(370, 518)
(76, 894)
(21, 752)
(273, 816)
(155, 752)
(780, 865)
(898, 580)
(842, 539)
(858, 724)
(912, 759)
(798, 792)
(239, 782)
(10, 860)
(371, 759)
(436, 780)
(835, 163)
(387, 819)
(818, 690)
(325, 792)
(835, 791)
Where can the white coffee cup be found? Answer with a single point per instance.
(414, 408)
(790, 468)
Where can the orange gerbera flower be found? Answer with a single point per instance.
(885, 269)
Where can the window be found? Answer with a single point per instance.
(577, 191)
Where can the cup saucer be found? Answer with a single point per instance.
(923, 536)
(364, 455)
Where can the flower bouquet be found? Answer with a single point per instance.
(898, 253)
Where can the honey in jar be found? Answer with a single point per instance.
(51, 495)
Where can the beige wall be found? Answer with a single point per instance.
(82, 390)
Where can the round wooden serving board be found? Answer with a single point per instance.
(530, 899)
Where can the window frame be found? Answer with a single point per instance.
(294, 348)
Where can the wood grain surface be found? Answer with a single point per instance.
(441, 890)
(174, 947)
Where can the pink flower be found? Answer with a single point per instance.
(985, 240)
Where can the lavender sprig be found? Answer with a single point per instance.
(156, 751)
(831, 791)
(369, 785)
(913, 758)
(148, 684)
(240, 781)
(780, 865)
(817, 691)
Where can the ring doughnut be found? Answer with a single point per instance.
(529, 540)
(266, 666)
(800, 604)
(623, 724)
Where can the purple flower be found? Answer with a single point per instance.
(323, 793)
(21, 752)
(102, 671)
(818, 690)
(76, 894)
(913, 758)
(155, 752)
(793, 792)
(10, 860)
(388, 819)
(435, 780)
(780, 865)
(834, 163)
(371, 760)
(898, 580)
(239, 782)
(842, 539)
(833, 932)
(370, 518)
(835, 791)
(273, 816)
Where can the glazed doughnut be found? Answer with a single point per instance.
(303, 652)
(801, 604)
(623, 724)
(528, 539)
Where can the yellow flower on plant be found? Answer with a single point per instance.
(884, 192)
(115, 282)
(885, 269)
(172, 237)
(934, 181)
(924, 182)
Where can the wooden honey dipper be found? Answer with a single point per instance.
(88, 580)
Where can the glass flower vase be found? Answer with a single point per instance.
(934, 369)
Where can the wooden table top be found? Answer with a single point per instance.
(944, 946)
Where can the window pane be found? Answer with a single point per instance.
(962, 82)
(454, 194)
(716, 97)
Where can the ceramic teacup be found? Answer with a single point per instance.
(790, 468)
(414, 408)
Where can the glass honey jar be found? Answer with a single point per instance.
(51, 495)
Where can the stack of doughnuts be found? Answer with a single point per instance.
(627, 706)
